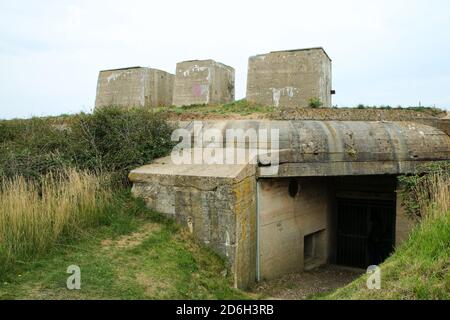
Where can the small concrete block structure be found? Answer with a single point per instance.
(134, 87)
(203, 82)
(290, 78)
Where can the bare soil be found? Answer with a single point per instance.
(340, 114)
(301, 286)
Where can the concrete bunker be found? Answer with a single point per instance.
(203, 82)
(290, 78)
(334, 193)
(134, 87)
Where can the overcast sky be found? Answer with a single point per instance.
(394, 52)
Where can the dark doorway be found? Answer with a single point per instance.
(365, 232)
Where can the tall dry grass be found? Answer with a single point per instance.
(35, 216)
(433, 194)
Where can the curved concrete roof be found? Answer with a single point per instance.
(345, 147)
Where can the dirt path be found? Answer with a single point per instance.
(301, 286)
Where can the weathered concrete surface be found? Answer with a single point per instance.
(285, 221)
(216, 203)
(438, 123)
(341, 148)
(203, 82)
(404, 224)
(290, 78)
(134, 87)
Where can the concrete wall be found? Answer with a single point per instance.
(284, 221)
(219, 212)
(203, 82)
(289, 78)
(134, 87)
(404, 224)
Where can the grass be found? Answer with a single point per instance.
(240, 107)
(134, 254)
(35, 216)
(420, 268)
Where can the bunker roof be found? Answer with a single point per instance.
(298, 50)
(119, 69)
(207, 60)
(325, 148)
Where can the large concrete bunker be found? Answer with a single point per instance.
(134, 87)
(203, 82)
(334, 192)
(290, 78)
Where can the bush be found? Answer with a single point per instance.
(115, 140)
(315, 103)
(110, 140)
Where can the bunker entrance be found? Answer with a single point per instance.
(365, 231)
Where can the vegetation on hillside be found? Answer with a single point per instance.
(420, 268)
(65, 200)
(237, 108)
(134, 253)
(243, 109)
(36, 216)
(109, 140)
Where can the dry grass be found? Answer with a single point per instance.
(433, 194)
(35, 216)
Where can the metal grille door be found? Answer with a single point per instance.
(365, 232)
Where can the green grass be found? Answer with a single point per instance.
(135, 254)
(240, 107)
(419, 269)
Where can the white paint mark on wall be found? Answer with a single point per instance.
(113, 76)
(196, 68)
(227, 242)
(190, 225)
(277, 93)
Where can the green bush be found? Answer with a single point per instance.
(315, 103)
(110, 140)
(115, 140)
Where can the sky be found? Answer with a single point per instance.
(394, 52)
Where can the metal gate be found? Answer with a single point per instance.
(365, 232)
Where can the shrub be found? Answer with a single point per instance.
(315, 103)
(116, 140)
(110, 140)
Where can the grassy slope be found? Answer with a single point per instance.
(137, 254)
(243, 109)
(419, 269)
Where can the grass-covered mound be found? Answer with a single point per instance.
(243, 109)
